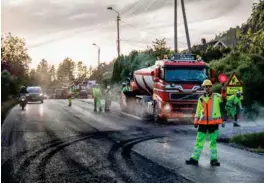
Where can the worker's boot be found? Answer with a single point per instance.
(215, 162)
(191, 162)
(235, 124)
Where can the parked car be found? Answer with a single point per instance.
(83, 94)
(35, 94)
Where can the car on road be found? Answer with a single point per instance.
(35, 94)
(83, 94)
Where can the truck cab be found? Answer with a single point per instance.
(169, 90)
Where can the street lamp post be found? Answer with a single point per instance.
(118, 29)
(98, 53)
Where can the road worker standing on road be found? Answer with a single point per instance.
(97, 97)
(125, 87)
(108, 97)
(207, 119)
(70, 96)
(233, 107)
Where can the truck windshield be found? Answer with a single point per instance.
(184, 74)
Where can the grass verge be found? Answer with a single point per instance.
(254, 141)
(5, 107)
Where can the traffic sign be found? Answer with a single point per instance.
(234, 81)
(234, 85)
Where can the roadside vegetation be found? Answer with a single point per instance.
(255, 141)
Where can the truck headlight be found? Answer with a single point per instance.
(167, 108)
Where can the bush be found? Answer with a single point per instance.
(250, 69)
(5, 107)
(255, 140)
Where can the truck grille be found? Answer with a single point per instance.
(175, 96)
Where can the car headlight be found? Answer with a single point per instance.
(40, 94)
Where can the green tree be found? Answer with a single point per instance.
(65, 70)
(160, 48)
(43, 75)
(52, 73)
(14, 52)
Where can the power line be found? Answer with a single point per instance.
(133, 9)
(136, 27)
(72, 34)
(135, 41)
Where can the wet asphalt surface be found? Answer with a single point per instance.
(52, 142)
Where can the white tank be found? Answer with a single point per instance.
(144, 79)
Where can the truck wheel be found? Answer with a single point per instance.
(157, 118)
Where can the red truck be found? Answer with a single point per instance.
(167, 91)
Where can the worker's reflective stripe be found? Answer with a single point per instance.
(204, 112)
(211, 121)
(212, 106)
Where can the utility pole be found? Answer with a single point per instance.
(118, 35)
(175, 28)
(98, 54)
(186, 26)
(118, 29)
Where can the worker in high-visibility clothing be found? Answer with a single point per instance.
(207, 119)
(125, 87)
(108, 98)
(233, 107)
(70, 96)
(97, 97)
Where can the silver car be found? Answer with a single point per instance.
(35, 94)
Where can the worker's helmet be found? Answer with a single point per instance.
(207, 82)
(108, 87)
(239, 93)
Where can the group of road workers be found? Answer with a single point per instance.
(208, 115)
(97, 95)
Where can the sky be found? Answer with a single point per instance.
(56, 29)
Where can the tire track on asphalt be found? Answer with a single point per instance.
(27, 161)
(122, 148)
(126, 147)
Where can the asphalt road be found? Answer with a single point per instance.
(52, 142)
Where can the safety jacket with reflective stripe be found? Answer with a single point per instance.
(97, 93)
(233, 100)
(208, 110)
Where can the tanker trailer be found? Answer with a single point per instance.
(167, 91)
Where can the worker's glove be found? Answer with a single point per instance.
(195, 125)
